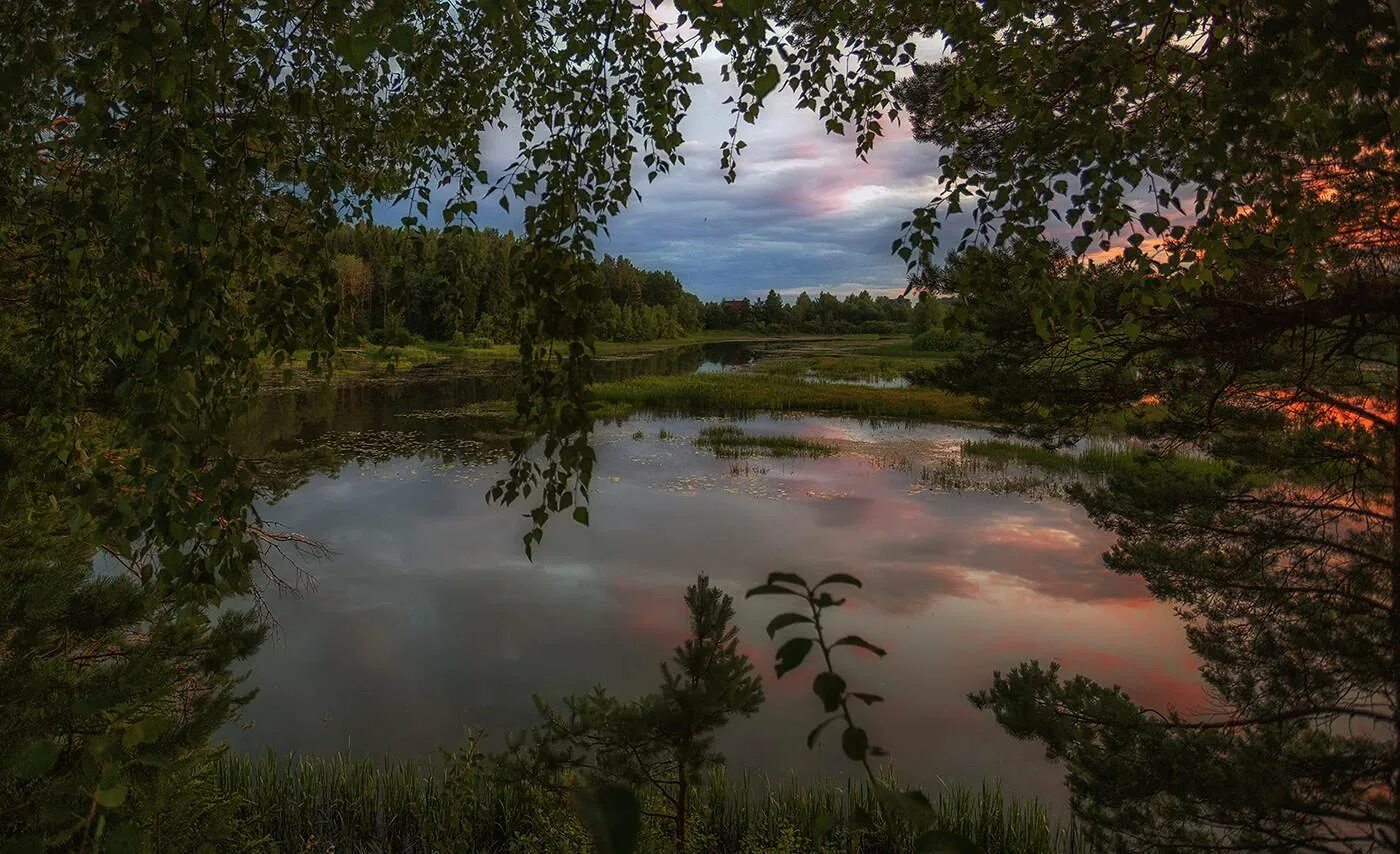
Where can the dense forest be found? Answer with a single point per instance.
(465, 286)
(827, 313)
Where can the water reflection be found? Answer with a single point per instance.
(429, 619)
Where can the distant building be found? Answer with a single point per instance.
(737, 310)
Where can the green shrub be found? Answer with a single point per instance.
(935, 340)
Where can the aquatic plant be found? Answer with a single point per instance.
(728, 441)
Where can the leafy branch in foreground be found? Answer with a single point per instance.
(909, 805)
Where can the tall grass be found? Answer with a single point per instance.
(1093, 460)
(729, 442)
(738, 394)
(344, 805)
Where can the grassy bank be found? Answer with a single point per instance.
(375, 362)
(739, 394)
(371, 362)
(344, 805)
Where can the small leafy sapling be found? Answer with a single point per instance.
(912, 805)
(604, 750)
(829, 686)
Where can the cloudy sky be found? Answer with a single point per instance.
(804, 214)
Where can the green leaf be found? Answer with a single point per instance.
(787, 578)
(839, 578)
(817, 730)
(111, 796)
(401, 38)
(854, 640)
(33, 759)
(867, 699)
(612, 816)
(830, 688)
(782, 621)
(855, 743)
(792, 653)
(581, 515)
(133, 736)
(357, 48)
(766, 82)
(913, 804)
(773, 590)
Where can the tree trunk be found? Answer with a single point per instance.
(1395, 594)
(682, 811)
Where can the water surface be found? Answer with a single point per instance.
(428, 619)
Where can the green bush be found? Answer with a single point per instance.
(935, 340)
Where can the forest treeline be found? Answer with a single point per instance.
(827, 313)
(464, 285)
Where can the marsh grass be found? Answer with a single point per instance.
(1096, 460)
(346, 805)
(729, 442)
(747, 470)
(1090, 461)
(740, 394)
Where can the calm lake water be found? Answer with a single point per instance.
(428, 619)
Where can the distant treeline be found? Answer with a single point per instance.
(396, 285)
(827, 313)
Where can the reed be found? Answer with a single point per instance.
(1100, 460)
(729, 442)
(344, 805)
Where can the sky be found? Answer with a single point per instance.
(804, 213)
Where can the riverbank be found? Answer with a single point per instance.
(709, 374)
(824, 356)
